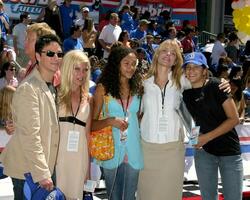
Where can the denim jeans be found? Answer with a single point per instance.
(18, 188)
(121, 182)
(231, 170)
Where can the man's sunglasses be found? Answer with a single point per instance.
(52, 54)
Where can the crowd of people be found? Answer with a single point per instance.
(56, 74)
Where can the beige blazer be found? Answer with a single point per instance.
(34, 145)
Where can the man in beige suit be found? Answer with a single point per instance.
(34, 145)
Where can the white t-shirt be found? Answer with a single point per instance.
(19, 31)
(217, 51)
(109, 35)
(152, 111)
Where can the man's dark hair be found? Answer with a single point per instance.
(188, 29)
(140, 50)
(46, 40)
(232, 36)
(74, 28)
(220, 36)
(24, 16)
(158, 37)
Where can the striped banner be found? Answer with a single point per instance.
(180, 9)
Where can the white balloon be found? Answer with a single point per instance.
(241, 34)
(241, 4)
(234, 6)
(243, 37)
(247, 2)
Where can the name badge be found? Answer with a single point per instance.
(193, 140)
(73, 141)
(89, 186)
(163, 124)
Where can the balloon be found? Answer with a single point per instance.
(234, 5)
(241, 27)
(247, 9)
(247, 2)
(241, 18)
(245, 39)
(244, 20)
(242, 36)
(241, 4)
(236, 21)
(247, 29)
(238, 4)
(236, 13)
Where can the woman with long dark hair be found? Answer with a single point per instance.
(122, 83)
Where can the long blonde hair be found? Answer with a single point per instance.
(176, 68)
(6, 95)
(70, 60)
(40, 29)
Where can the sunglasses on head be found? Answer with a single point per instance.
(52, 54)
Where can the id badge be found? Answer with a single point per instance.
(163, 124)
(193, 140)
(73, 141)
(89, 186)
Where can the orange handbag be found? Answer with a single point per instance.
(101, 141)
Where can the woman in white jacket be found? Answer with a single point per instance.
(162, 138)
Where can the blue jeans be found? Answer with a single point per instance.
(121, 182)
(18, 188)
(231, 170)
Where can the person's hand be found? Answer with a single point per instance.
(242, 120)
(225, 86)
(202, 140)
(108, 48)
(47, 184)
(9, 127)
(120, 124)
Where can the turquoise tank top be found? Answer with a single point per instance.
(132, 146)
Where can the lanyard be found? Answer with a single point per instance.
(125, 111)
(76, 110)
(163, 96)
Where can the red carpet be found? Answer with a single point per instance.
(199, 198)
(246, 196)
